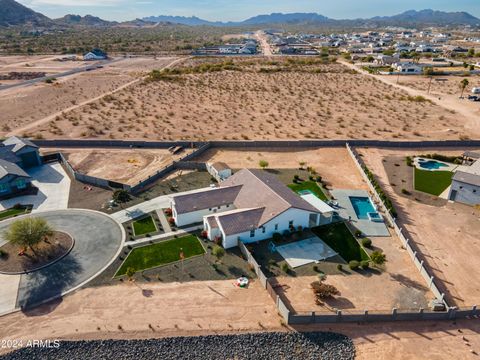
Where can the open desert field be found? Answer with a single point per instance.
(259, 99)
(124, 166)
(334, 164)
(134, 310)
(446, 235)
(41, 103)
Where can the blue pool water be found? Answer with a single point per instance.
(362, 206)
(431, 164)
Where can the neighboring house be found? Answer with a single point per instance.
(16, 155)
(249, 206)
(95, 54)
(409, 68)
(466, 184)
(219, 170)
(386, 60)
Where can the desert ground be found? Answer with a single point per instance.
(121, 165)
(259, 100)
(334, 164)
(401, 286)
(42, 102)
(446, 235)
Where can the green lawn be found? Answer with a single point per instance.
(432, 182)
(309, 185)
(163, 253)
(340, 239)
(5, 214)
(144, 226)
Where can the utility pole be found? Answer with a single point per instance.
(429, 84)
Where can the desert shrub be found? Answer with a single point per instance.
(378, 258)
(365, 264)
(367, 242)
(121, 196)
(358, 233)
(272, 262)
(218, 252)
(323, 291)
(3, 253)
(339, 267)
(385, 199)
(406, 192)
(353, 265)
(315, 268)
(409, 161)
(285, 268)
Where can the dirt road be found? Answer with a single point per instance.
(266, 49)
(32, 125)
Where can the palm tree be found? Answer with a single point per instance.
(28, 232)
(463, 85)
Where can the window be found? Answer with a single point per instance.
(276, 227)
(3, 188)
(252, 233)
(263, 229)
(210, 209)
(290, 223)
(228, 205)
(219, 207)
(474, 191)
(21, 184)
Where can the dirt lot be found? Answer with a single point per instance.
(124, 166)
(30, 105)
(446, 235)
(128, 310)
(401, 285)
(312, 102)
(333, 164)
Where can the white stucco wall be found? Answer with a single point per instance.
(466, 193)
(197, 216)
(299, 217)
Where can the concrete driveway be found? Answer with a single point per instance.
(53, 189)
(98, 240)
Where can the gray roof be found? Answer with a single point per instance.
(240, 221)
(7, 154)
(8, 168)
(205, 199)
(212, 222)
(467, 178)
(263, 190)
(19, 143)
(219, 166)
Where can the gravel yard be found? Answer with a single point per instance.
(318, 345)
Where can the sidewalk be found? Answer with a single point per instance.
(160, 202)
(164, 236)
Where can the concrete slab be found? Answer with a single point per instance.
(305, 252)
(53, 189)
(8, 296)
(346, 211)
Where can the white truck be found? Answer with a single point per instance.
(476, 90)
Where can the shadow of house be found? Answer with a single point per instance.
(48, 283)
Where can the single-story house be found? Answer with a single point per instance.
(95, 54)
(249, 206)
(16, 155)
(219, 170)
(386, 60)
(409, 68)
(465, 186)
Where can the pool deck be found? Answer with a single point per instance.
(447, 167)
(346, 211)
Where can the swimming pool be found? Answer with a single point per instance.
(362, 206)
(431, 164)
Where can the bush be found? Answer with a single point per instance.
(171, 221)
(121, 196)
(358, 233)
(406, 192)
(3, 253)
(218, 251)
(409, 161)
(367, 242)
(378, 258)
(277, 237)
(353, 265)
(296, 178)
(365, 264)
(272, 262)
(315, 268)
(285, 268)
(323, 291)
(168, 212)
(339, 267)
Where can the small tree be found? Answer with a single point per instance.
(323, 291)
(378, 258)
(218, 252)
(28, 232)
(130, 273)
(463, 85)
(263, 164)
(121, 196)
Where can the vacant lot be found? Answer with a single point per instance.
(266, 100)
(446, 235)
(124, 166)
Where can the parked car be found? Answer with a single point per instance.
(476, 90)
(474, 98)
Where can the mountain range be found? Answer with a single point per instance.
(12, 14)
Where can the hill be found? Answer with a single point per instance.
(13, 13)
(429, 16)
(87, 20)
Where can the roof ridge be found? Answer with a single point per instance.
(273, 191)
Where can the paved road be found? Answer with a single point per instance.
(98, 238)
(91, 67)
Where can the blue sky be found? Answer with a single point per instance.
(226, 10)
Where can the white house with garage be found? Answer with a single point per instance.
(465, 186)
(249, 206)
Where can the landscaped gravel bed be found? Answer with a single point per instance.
(319, 345)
